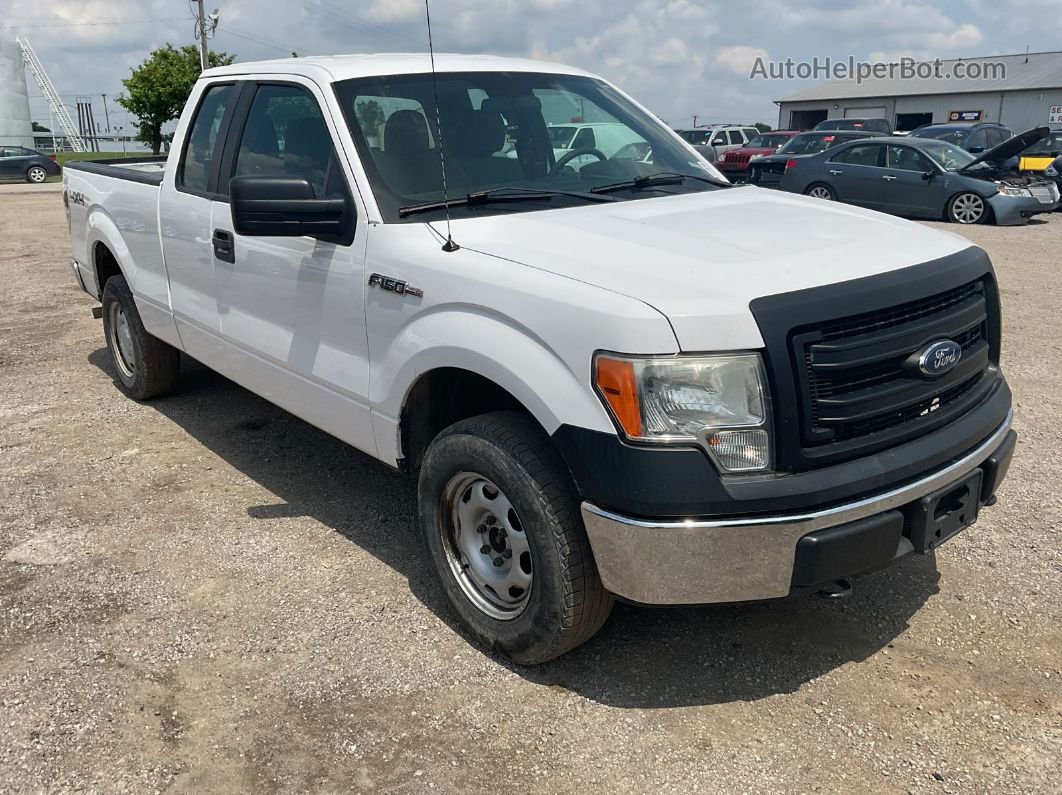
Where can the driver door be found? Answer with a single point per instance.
(293, 308)
(904, 189)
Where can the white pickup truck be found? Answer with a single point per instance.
(612, 379)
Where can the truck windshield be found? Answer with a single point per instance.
(534, 132)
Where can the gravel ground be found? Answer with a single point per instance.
(205, 593)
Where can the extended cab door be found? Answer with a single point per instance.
(293, 308)
(184, 215)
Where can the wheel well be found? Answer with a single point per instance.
(440, 398)
(106, 266)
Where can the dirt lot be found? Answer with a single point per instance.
(205, 593)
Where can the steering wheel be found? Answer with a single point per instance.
(566, 159)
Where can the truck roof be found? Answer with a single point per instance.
(344, 67)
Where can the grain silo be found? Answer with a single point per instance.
(16, 129)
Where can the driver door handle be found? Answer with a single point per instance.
(224, 246)
(836, 171)
(889, 177)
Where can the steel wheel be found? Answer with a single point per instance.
(820, 192)
(36, 174)
(967, 208)
(121, 341)
(485, 546)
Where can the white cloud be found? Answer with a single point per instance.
(678, 57)
(740, 58)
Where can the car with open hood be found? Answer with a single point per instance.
(928, 178)
(621, 378)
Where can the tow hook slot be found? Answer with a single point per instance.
(839, 589)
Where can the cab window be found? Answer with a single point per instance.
(285, 135)
(194, 171)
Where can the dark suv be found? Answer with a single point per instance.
(879, 126)
(974, 137)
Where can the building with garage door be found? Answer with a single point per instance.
(1020, 91)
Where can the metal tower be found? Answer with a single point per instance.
(71, 132)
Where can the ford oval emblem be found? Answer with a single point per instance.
(939, 357)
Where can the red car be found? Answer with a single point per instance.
(735, 163)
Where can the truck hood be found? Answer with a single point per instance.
(700, 258)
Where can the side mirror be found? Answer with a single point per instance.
(288, 207)
(928, 175)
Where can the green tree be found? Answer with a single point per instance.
(40, 128)
(157, 89)
(762, 127)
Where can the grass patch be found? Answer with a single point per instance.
(62, 158)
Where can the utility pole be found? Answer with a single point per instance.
(106, 114)
(204, 29)
(695, 121)
(203, 47)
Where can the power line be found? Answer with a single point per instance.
(257, 39)
(93, 24)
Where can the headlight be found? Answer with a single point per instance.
(1009, 191)
(719, 402)
(1051, 171)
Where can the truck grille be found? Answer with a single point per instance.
(858, 375)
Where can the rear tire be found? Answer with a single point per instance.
(145, 367)
(500, 519)
(820, 190)
(36, 175)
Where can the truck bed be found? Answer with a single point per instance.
(147, 170)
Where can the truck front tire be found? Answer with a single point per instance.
(145, 367)
(500, 519)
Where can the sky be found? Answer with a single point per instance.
(680, 58)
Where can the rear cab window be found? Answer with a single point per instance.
(193, 172)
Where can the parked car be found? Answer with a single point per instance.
(28, 164)
(927, 178)
(735, 163)
(721, 138)
(1039, 156)
(880, 126)
(604, 137)
(767, 171)
(974, 137)
(629, 379)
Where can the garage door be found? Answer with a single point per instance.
(865, 113)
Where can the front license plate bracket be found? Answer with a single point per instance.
(942, 514)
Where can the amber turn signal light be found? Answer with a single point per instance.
(615, 382)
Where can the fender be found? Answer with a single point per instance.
(490, 345)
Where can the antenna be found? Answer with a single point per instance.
(449, 245)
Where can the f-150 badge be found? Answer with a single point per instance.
(394, 285)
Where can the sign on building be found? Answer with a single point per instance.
(1054, 116)
(965, 115)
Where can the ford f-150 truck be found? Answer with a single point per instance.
(604, 388)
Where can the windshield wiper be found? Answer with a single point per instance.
(504, 194)
(657, 178)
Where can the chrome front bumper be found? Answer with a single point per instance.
(697, 561)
